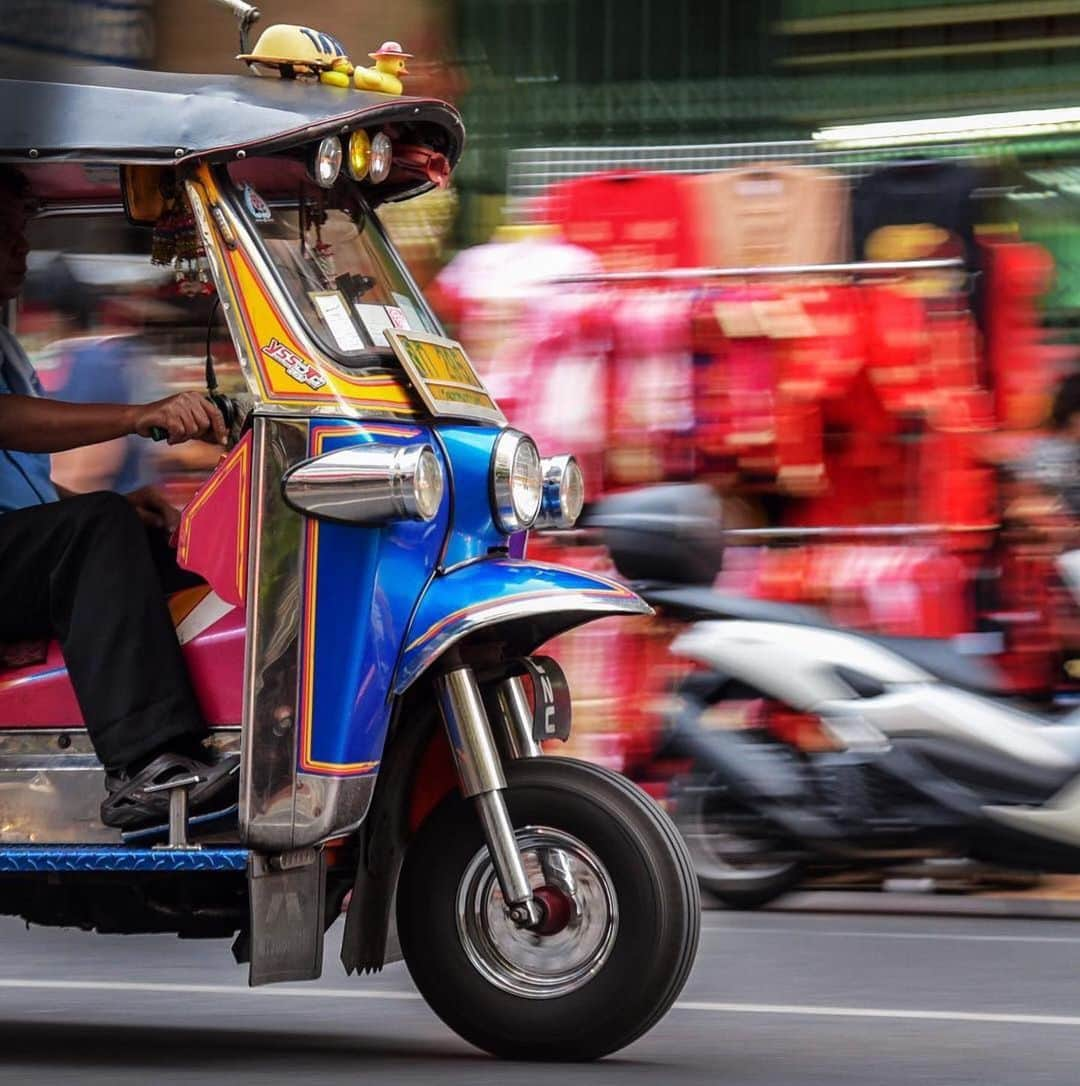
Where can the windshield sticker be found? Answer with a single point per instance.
(294, 365)
(256, 206)
(412, 316)
(376, 319)
(444, 377)
(334, 310)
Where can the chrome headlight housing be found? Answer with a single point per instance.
(368, 484)
(564, 492)
(517, 481)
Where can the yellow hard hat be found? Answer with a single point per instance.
(299, 47)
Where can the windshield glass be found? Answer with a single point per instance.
(336, 264)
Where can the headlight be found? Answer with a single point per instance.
(382, 153)
(327, 161)
(564, 492)
(516, 481)
(359, 154)
(368, 484)
(426, 483)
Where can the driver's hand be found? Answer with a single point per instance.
(154, 509)
(184, 416)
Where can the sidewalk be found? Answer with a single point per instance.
(1057, 897)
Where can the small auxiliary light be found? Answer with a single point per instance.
(382, 153)
(359, 154)
(327, 161)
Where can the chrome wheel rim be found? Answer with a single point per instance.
(523, 962)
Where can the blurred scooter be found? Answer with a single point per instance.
(812, 743)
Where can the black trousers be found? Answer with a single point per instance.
(86, 571)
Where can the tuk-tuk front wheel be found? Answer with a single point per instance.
(621, 916)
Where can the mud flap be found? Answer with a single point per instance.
(551, 698)
(286, 895)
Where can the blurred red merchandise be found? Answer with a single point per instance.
(631, 220)
(1021, 368)
(897, 347)
(825, 345)
(1024, 588)
(568, 362)
(651, 394)
(956, 487)
(769, 213)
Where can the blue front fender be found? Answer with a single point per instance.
(537, 600)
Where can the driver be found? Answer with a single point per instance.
(93, 570)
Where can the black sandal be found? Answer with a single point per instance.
(129, 805)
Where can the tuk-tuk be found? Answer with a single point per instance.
(366, 635)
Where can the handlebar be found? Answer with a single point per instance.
(231, 410)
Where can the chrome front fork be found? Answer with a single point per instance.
(480, 772)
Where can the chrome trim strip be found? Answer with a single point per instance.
(268, 763)
(507, 610)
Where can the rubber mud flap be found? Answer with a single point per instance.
(285, 896)
(552, 713)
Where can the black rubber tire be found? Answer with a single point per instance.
(655, 889)
(749, 888)
(755, 893)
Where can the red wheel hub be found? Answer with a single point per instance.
(557, 910)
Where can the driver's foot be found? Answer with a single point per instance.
(128, 805)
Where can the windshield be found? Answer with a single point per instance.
(336, 265)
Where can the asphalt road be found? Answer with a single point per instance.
(785, 999)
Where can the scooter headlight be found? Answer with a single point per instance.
(564, 492)
(517, 482)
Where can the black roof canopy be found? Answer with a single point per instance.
(115, 115)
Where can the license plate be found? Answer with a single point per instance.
(444, 377)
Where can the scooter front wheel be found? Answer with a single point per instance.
(622, 916)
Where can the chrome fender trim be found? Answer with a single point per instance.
(503, 590)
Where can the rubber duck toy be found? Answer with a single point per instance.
(388, 68)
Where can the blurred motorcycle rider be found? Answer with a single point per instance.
(92, 570)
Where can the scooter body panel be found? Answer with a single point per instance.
(793, 664)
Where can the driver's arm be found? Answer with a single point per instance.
(37, 425)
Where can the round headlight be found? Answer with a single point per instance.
(359, 154)
(428, 484)
(564, 493)
(328, 161)
(516, 481)
(417, 480)
(382, 152)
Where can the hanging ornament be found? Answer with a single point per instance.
(176, 244)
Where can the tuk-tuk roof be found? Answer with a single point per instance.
(117, 115)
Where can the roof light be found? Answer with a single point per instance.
(328, 161)
(359, 154)
(382, 153)
(1024, 122)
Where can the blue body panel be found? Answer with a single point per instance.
(48, 858)
(474, 533)
(382, 603)
(361, 585)
(500, 590)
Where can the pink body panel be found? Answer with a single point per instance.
(40, 696)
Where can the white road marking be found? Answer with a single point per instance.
(856, 933)
(795, 1009)
(203, 989)
(815, 1011)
